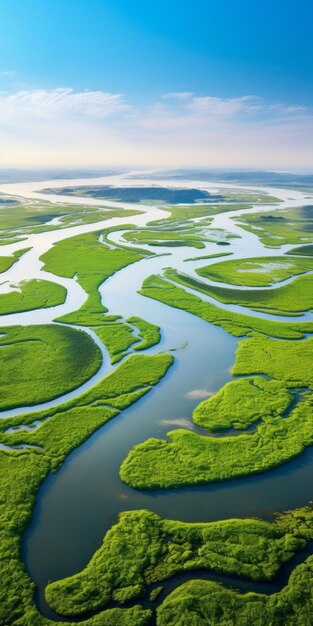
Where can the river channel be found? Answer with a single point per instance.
(78, 504)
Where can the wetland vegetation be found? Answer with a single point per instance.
(7, 261)
(259, 272)
(56, 359)
(292, 225)
(31, 294)
(23, 470)
(143, 549)
(270, 395)
(237, 324)
(291, 299)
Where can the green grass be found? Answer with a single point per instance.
(23, 471)
(77, 419)
(31, 294)
(287, 361)
(117, 337)
(181, 230)
(7, 261)
(257, 272)
(242, 402)
(291, 299)
(189, 458)
(56, 359)
(192, 236)
(191, 211)
(202, 602)
(149, 334)
(92, 262)
(236, 324)
(283, 226)
(25, 218)
(192, 459)
(143, 549)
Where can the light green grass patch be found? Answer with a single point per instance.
(257, 272)
(291, 299)
(292, 225)
(236, 324)
(241, 403)
(31, 294)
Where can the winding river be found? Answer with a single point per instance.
(76, 506)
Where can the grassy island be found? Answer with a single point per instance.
(242, 402)
(291, 299)
(257, 272)
(56, 359)
(31, 294)
(292, 225)
(142, 548)
(192, 459)
(188, 458)
(236, 324)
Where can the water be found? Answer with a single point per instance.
(76, 506)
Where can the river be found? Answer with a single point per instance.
(76, 506)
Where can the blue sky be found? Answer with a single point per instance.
(133, 54)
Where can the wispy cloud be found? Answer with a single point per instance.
(178, 95)
(65, 101)
(64, 126)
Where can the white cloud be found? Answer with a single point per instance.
(212, 106)
(64, 101)
(93, 128)
(178, 95)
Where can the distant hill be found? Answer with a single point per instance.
(250, 177)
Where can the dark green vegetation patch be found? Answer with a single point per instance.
(142, 549)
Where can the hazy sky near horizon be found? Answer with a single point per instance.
(185, 83)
